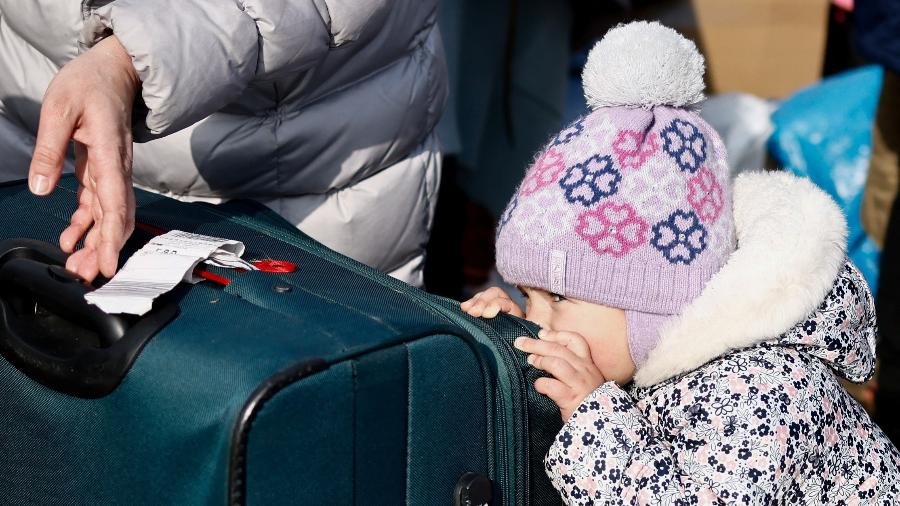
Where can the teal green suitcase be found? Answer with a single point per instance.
(331, 384)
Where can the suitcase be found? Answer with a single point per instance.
(331, 384)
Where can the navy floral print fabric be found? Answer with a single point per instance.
(769, 424)
(680, 238)
(569, 133)
(589, 181)
(685, 144)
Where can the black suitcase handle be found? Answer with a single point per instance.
(50, 332)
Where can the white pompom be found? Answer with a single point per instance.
(643, 64)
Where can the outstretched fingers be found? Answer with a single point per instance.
(56, 124)
(115, 197)
(83, 217)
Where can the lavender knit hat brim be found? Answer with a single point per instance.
(629, 206)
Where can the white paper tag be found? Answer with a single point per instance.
(160, 265)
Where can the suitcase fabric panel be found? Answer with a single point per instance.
(288, 461)
(330, 299)
(448, 430)
(364, 455)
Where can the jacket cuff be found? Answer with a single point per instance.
(193, 58)
(608, 404)
(606, 427)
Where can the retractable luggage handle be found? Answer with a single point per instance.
(50, 332)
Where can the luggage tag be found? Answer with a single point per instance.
(160, 265)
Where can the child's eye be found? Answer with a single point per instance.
(557, 297)
(525, 295)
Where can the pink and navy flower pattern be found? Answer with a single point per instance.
(569, 133)
(768, 424)
(705, 195)
(613, 229)
(546, 171)
(633, 148)
(591, 180)
(667, 171)
(680, 238)
(685, 144)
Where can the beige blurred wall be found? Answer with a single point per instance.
(769, 48)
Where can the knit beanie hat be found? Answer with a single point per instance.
(629, 206)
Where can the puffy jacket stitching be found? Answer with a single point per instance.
(326, 20)
(260, 38)
(427, 216)
(86, 12)
(276, 155)
(241, 4)
(298, 107)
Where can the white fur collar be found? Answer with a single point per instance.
(791, 244)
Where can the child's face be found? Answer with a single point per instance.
(603, 327)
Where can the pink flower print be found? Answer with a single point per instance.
(633, 148)
(545, 171)
(705, 195)
(613, 229)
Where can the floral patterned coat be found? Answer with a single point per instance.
(765, 422)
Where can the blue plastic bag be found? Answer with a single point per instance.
(825, 133)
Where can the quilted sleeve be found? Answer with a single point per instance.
(195, 57)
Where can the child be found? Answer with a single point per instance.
(692, 343)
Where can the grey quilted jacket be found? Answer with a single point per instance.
(321, 109)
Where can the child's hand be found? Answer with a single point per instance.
(567, 357)
(490, 302)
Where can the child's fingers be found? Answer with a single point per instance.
(500, 304)
(559, 368)
(468, 304)
(475, 306)
(495, 292)
(546, 348)
(556, 390)
(484, 296)
(492, 308)
(571, 340)
(509, 306)
(489, 303)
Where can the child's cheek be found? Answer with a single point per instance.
(613, 360)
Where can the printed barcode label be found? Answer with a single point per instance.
(160, 265)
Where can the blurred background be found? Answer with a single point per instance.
(807, 86)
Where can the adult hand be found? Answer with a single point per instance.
(90, 101)
(489, 303)
(567, 357)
